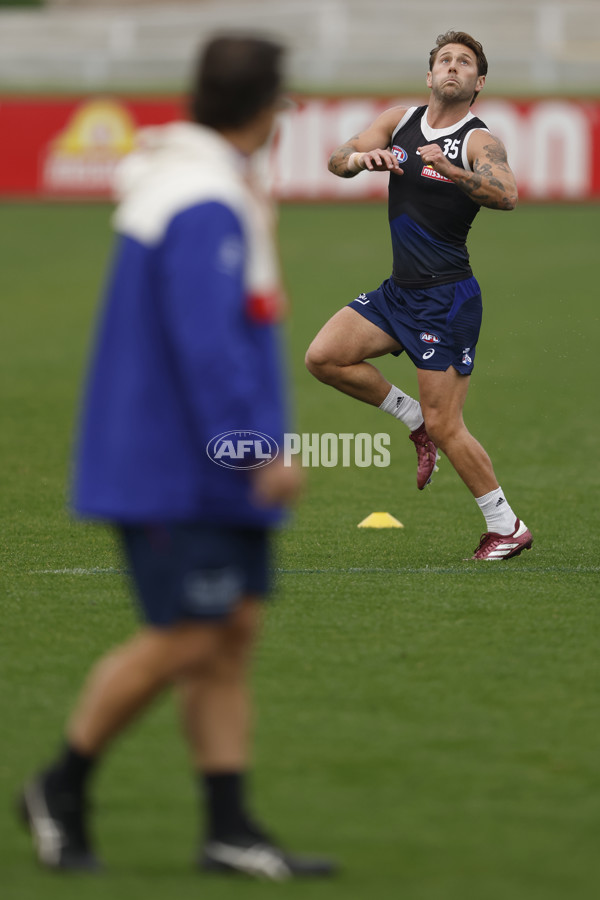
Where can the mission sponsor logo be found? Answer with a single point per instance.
(430, 172)
(400, 153)
(428, 338)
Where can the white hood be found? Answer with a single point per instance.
(174, 167)
(179, 165)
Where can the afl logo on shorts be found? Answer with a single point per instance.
(429, 338)
(400, 154)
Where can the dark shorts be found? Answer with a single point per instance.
(437, 326)
(189, 571)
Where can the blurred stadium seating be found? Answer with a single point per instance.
(533, 45)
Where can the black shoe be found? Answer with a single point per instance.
(260, 858)
(57, 822)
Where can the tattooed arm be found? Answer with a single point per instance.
(370, 149)
(491, 182)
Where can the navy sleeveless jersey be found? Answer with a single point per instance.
(429, 215)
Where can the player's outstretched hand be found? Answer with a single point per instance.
(277, 484)
(380, 161)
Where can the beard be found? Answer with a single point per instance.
(453, 92)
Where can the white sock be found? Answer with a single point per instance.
(401, 406)
(499, 517)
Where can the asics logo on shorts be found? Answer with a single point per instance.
(428, 353)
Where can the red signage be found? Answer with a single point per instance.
(68, 147)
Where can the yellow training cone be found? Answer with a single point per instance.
(380, 520)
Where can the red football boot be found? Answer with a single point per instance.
(427, 455)
(504, 546)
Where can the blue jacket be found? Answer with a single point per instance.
(182, 352)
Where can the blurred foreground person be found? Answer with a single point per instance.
(187, 349)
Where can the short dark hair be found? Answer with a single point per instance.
(461, 37)
(236, 77)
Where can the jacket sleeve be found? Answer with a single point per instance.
(227, 365)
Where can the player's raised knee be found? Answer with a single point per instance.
(317, 363)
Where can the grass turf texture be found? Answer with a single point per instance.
(431, 723)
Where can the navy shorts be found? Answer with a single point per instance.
(438, 326)
(184, 571)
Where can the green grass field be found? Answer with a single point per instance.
(432, 723)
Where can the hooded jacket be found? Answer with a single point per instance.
(187, 343)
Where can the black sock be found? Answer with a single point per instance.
(70, 771)
(226, 814)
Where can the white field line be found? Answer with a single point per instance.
(77, 571)
(448, 570)
(370, 570)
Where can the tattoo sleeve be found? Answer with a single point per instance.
(486, 184)
(338, 161)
